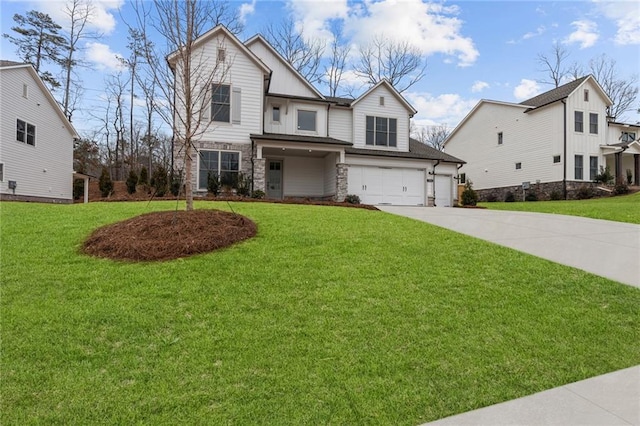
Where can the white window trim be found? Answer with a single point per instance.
(582, 132)
(386, 147)
(2, 172)
(219, 150)
(597, 124)
(221, 123)
(273, 108)
(302, 131)
(26, 127)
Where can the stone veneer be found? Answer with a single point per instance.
(542, 190)
(342, 181)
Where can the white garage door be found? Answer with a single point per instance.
(377, 185)
(443, 190)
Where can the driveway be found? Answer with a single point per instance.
(605, 248)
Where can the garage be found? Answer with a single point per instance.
(443, 190)
(387, 185)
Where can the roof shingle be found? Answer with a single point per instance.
(554, 95)
(417, 150)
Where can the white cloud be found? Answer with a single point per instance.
(626, 16)
(448, 108)
(430, 27)
(526, 89)
(479, 86)
(102, 17)
(102, 56)
(247, 9)
(538, 32)
(586, 33)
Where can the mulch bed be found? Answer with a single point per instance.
(169, 235)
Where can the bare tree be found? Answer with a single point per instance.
(337, 62)
(396, 61)
(116, 85)
(623, 93)
(301, 53)
(189, 81)
(433, 136)
(555, 66)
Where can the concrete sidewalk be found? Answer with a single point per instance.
(611, 399)
(605, 248)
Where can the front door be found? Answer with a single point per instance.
(274, 179)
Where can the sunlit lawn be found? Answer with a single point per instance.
(329, 316)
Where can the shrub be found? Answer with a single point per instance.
(604, 176)
(469, 196)
(555, 196)
(352, 199)
(243, 185)
(213, 183)
(509, 197)
(132, 181)
(584, 193)
(176, 184)
(78, 189)
(621, 187)
(258, 194)
(629, 177)
(143, 179)
(105, 184)
(531, 196)
(491, 198)
(159, 181)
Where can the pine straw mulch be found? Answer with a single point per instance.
(169, 235)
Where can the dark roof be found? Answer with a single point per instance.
(416, 150)
(302, 98)
(299, 138)
(4, 63)
(555, 95)
(340, 101)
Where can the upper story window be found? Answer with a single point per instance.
(222, 55)
(381, 100)
(556, 159)
(628, 137)
(586, 95)
(578, 119)
(25, 132)
(25, 91)
(221, 103)
(499, 138)
(275, 115)
(306, 120)
(518, 166)
(593, 123)
(381, 131)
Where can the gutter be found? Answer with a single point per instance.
(433, 173)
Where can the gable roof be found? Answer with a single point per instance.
(10, 65)
(562, 92)
(394, 92)
(417, 150)
(258, 38)
(171, 58)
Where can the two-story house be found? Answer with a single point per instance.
(270, 124)
(36, 139)
(554, 142)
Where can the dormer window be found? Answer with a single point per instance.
(222, 55)
(25, 91)
(586, 95)
(381, 131)
(275, 117)
(381, 100)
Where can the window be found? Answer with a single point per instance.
(381, 100)
(586, 95)
(1, 172)
(593, 123)
(556, 159)
(222, 55)
(578, 167)
(381, 131)
(307, 120)
(518, 166)
(221, 103)
(500, 138)
(593, 168)
(275, 116)
(25, 91)
(579, 120)
(224, 164)
(628, 137)
(463, 178)
(25, 132)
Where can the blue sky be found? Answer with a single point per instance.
(474, 49)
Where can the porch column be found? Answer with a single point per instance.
(342, 174)
(86, 189)
(259, 174)
(618, 161)
(636, 169)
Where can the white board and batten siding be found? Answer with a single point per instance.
(288, 123)
(530, 139)
(46, 168)
(392, 108)
(341, 123)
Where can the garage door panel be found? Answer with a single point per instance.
(443, 191)
(376, 185)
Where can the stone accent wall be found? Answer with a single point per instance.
(29, 198)
(342, 181)
(543, 191)
(259, 177)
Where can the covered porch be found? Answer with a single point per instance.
(623, 159)
(294, 166)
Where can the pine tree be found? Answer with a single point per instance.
(38, 42)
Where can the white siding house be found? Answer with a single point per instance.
(554, 142)
(36, 140)
(291, 141)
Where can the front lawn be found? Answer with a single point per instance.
(625, 208)
(328, 316)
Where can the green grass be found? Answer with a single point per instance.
(624, 208)
(329, 316)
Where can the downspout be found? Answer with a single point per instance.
(564, 171)
(433, 173)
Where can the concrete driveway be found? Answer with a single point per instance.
(605, 248)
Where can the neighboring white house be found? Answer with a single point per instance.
(36, 140)
(270, 124)
(555, 142)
